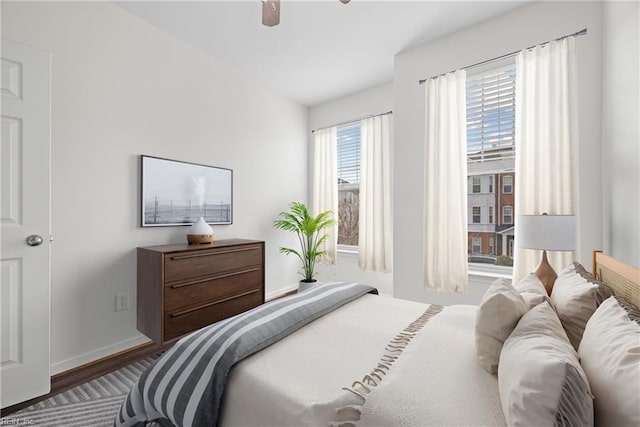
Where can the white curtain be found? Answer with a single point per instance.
(325, 184)
(546, 142)
(445, 206)
(374, 241)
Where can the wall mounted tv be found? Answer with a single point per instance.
(177, 193)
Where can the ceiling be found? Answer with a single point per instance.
(321, 50)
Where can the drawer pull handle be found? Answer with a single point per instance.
(228, 251)
(244, 294)
(219, 276)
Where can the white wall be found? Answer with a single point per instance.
(621, 130)
(375, 100)
(121, 88)
(521, 28)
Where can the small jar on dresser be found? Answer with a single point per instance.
(182, 288)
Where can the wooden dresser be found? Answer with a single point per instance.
(182, 288)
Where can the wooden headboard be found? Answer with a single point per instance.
(623, 279)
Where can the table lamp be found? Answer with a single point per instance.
(546, 233)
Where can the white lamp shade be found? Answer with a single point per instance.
(546, 232)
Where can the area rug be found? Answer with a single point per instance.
(94, 403)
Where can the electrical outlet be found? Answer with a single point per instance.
(122, 301)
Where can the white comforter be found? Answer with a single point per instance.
(298, 381)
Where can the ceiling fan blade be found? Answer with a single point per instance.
(270, 12)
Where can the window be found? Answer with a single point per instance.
(476, 214)
(348, 164)
(507, 215)
(507, 184)
(476, 184)
(477, 244)
(491, 154)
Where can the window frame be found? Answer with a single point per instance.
(474, 185)
(504, 215)
(475, 239)
(348, 186)
(491, 148)
(474, 215)
(504, 184)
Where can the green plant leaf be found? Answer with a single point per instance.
(308, 229)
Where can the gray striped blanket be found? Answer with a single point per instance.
(186, 385)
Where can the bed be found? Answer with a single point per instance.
(373, 360)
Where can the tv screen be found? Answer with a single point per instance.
(178, 193)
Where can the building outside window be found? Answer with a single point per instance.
(507, 215)
(490, 214)
(477, 245)
(476, 184)
(476, 214)
(491, 245)
(348, 164)
(507, 184)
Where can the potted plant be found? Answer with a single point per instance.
(309, 230)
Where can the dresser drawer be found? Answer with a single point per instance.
(180, 266)
(181, 322)
(182, 288)
(198, 291)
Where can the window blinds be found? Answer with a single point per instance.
(491, 116)
(349, 154)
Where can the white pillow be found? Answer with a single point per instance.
(610, 355)
(531, 283)
(533, 298)
(540, 379)
(498, 313)
(575, 296)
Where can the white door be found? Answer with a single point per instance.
(24, 206)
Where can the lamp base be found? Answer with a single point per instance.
(546, 274)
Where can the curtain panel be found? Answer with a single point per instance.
(445, 180)
(325, 184)
(546, 142)
(374, 234)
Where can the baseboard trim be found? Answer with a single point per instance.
(97, 354)
(73, 377)
(282, 292)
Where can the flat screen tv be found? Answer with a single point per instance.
(178, 193)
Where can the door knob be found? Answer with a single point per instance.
(34, 240)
